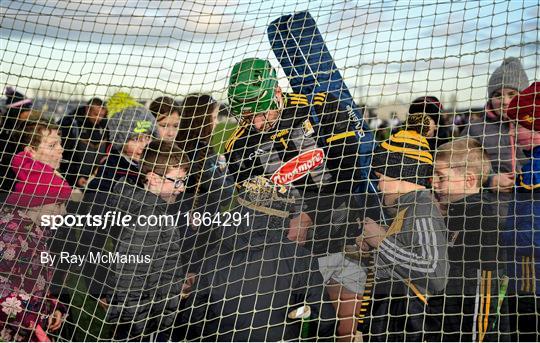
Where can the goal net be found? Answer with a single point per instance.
(269, 170)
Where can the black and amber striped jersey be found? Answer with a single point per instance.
(313, 156)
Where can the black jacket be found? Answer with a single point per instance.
(84, 143)
(116, 167)
(247, 287)
(475, 260)
(146, 294)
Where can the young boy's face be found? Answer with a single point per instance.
(170, 185)
(168, 126)
(448, 183)
(135, 147)
(49, 150)
(501, 99)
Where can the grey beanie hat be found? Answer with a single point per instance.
(130, 122)
(509, 74)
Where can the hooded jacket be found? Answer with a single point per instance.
(147, 292)
(411, 269)
(520, 237)
(415, 247)
(248, 286)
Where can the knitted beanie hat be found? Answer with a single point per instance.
(127, 118)
(429, 105)
(426, 104)
(406, 155)
(525, 107)
(509, 74)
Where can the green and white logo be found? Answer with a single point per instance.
(142, 126)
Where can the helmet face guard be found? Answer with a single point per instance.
(252, 87)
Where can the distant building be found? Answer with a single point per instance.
(392, 111)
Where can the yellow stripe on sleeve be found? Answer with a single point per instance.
(299, 102)
(339, 136)
(526, 186)
(296, 96)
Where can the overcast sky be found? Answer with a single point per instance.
(388, 51)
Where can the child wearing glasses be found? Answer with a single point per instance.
(148, 289)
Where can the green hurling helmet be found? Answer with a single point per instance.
(252, 87)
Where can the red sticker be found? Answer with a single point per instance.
(298, 167)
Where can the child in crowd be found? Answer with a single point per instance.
(210, 187)
(410, 248)
(131, 127)
(439, 131)
(475, 308)
(197, 124)
(495, 132)
(250, 284)
(28, 311)
(521, 236)
(147, 292)
(167, 115)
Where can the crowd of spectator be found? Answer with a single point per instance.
(445, 249)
